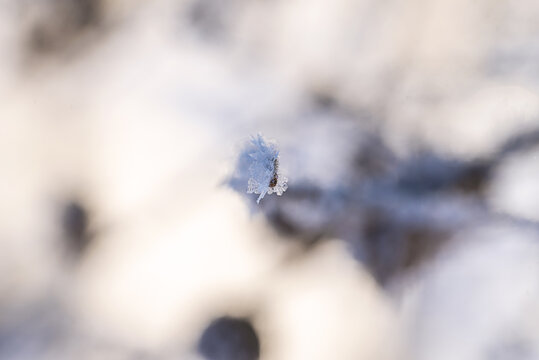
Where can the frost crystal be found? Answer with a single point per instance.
(258, 168)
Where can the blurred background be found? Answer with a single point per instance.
(408, 130)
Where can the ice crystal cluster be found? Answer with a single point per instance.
(257, 170)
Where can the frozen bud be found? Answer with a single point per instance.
(257, 170)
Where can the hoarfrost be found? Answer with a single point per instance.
(258, 168)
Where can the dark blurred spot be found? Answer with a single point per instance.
(475, 177)
(282, 224)
(521, 142)
(421, 243)
(373, 157)
(304, 213)
(324, 99)
(75, 223)
(211, 19)
(382, 248)
(289, 228)
(427, 174)
(390, 247)
(229, 338)
(57, 25)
